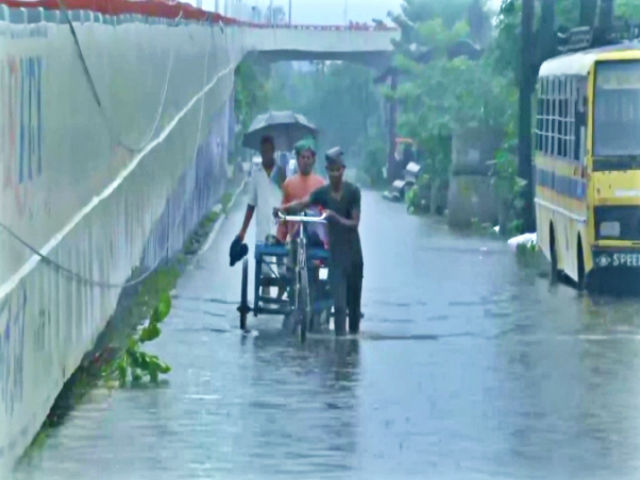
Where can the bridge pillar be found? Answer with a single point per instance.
(471, 194)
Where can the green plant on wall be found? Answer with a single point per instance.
(134, 365)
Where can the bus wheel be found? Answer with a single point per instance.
(581, 275)
(553, 254)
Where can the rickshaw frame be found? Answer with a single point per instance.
(269, 258)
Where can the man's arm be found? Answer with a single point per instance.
(248, 215)
(298, 206)
(251, 206)
(353, 222)
(282, 229)
(293, 207)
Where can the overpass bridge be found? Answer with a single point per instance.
(116, 120)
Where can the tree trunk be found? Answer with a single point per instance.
(547, 40)
(605, 17)
(524, 127)
(434, 196)
(588, 12)
(504, 217)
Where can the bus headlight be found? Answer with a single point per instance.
(610, 229)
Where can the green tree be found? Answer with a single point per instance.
(628, 9)
(440, 95)
(449, 12)
(343, 102)
(446, 95)
(252, 96)
(506, 47)
(251, 92)
(338, 97)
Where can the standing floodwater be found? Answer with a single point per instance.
(468, 366)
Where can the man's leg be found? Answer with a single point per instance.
(354, 295)
(313, 295)
(338, 282)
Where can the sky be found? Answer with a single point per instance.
(333, 11)
(326, 12)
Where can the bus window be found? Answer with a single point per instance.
(617, 109)
(578, 127)
(554, 121)
(539, 114)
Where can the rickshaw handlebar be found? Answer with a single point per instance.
(302, 218)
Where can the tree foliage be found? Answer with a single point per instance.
(628, 9)
(251, 93)
(505, 49)
(445, 95)
(449, 12)
(440, 95)
(342, 101)
(338, 97)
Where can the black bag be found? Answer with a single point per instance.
(237, 251)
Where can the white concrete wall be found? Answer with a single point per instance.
(103, 188)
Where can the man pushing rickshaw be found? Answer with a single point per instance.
(292, 261)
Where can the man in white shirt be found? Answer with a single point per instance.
(264, 193)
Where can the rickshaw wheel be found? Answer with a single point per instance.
(304, 306)
(244, 301)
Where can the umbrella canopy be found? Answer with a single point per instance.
(286, 128)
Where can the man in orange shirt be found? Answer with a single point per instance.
(299, 187)
(295, 188)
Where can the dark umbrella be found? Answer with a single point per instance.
(286, 128)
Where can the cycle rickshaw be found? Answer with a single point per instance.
(302, 286)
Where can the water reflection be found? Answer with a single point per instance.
(305, 403)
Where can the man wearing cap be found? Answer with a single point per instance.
(341, 201)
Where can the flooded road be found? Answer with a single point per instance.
(468, 366)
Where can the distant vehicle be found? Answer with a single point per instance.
(587, 163)
(406, 173)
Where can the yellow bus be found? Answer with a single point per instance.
(587, 162)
